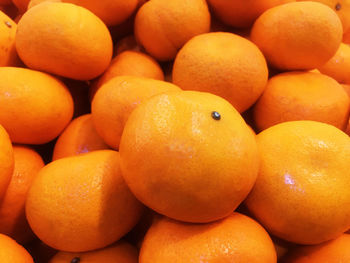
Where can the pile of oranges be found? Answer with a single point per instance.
(197, 131)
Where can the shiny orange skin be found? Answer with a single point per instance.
(80, 136)
(239, 13)
(12, 252)
(120, 252)
(82, 50)
(163, 27)
(82, 203)
(224, 64)
(182, 162)
(336, 250)
(115, 100)
(303, 187)
(338, 67)
(35, 107)
(6, 161)
(296, 96)
(12, 213)
(129, 63)
(286, 34)
(8, 54)
(237, 238)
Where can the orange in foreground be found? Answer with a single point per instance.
(236, 238)
(82, 203)
(298, 36)
(6, 161)
(224, 64)
(80, 136)
(296, 96)
(338, 67)
(35, 107)
(12, 213)
(238, 13)
(163, 27)
(302, 193)
(115, 100)
(336, 250)
(81, 50)
(8, 54)
(189, 155)
(121, 252)
(12, 252)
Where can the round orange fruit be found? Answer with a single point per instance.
(35, 107)
(189, 155)
(298, 35)
(237, 238)
(116, 99)
(65, 40)
(163, 27)
(224, 64)
(302, 192)
(296, 96)
(82, 203)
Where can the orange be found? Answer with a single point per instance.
(298, 35)
(116, 99)
(302, 96)
(302, 193)
(163, 27)
(8, 54)
(121, 252)
(81, 203)
(189, 155)
(81, 50)
(12, 252)
(35, 107)
(224, 64)
(12, 213)
(341, 7)
(111, 12)
(236, 238)
(6, 161)
(338, 67)
(79, 137)
(336, 250)
(238, 13)
(130, 63)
